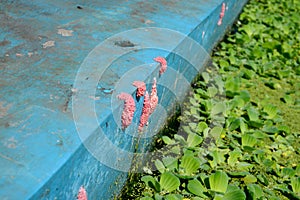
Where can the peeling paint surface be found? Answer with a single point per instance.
(43, 43)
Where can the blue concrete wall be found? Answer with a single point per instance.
(42, 155)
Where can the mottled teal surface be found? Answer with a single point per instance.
(41, 154)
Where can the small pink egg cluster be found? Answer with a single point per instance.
(150, 101)
(82, 194)
(222, 13)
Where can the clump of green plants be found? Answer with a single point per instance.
(239, 133)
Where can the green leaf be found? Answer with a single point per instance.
(151, 183)
(270, 129)
(167, 140)
(233, 157)
(284, 128)
(271, 111)
(289, 172)
(220, 83)
(295, 182)
(235, 124)
(255, 191)
(201, 127)
(169, 182)
(179, 138)
(170, 162)
(218, 181)
(245, 95)
(253, 114)
(146, 198)
(193, 140)
(218, 158)
(196, 188)
(206, 77)
(288, 99)
(190, 164)
(173, 197)
(248, 140)
(157, 196)
(159, 166)
(194, 102)
(232, 86)
(216, 131)
(244, 166)
(212, 91)
(262, 178)
(234, 193)
(187, 129)
(249, 179)
(218, 108)
(223, 63)
(297, 171)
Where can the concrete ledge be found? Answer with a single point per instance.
(44, 46)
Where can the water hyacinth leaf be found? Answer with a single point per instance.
(234, 193)
(169, 182)
(205, 77)
(193, 125)
(190, 164)
(245, 95)
(288, 99)
(218, 108)
(297, 170)
(176, 149)
(187, 129)
(170, 162)
(201, 127)
(220, 83)
(255, 191)
(216, 131)
(253, 114)
(237, 174)
(244, 166)
(151, 182)
(157, 196)
(262, 178)
(194, 102)
(196, 198)
(218, 158)
(146, 198)
(193, 140)
(179, 138)
(232, 86)
(288, 172)
(243, 126)
(249, 179)
(218, 181)
(284, 128)
(196, 188)
(235, 124)
(223, 63)
(159, 166)
(295, 182)
(167, 140)
(248, 140)
(271, 111)
(212, 91)
(248, 74)
(270, 129)
(173, 197)
(233, 157)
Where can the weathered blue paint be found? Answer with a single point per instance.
(41, 155)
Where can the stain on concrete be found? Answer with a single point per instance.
(124, 43)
